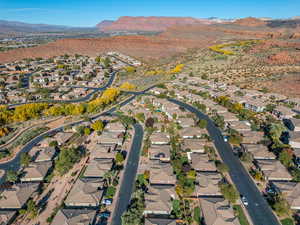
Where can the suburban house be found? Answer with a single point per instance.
(208, 184)
(186, 121)
(98, 151)
(291, 192)
(293, 124)
(97, 168)
(159, 152)
(16, 196)
(161, 174)
(294, 139)
(255, 105)
(283, 112)
(258, 151)
(217, 211)
(45, 154)
(115, 127)
(240, 126)
(158, 200)
(252, 137)
(36, 172)
(63, 137)
(273, 170)
(201, 162)
(194, 145)
(74, 216)
(229, 117)
(192, 132)
(109, 138)
(159, 139)
(85, 193)
(159, 221)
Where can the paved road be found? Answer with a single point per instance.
(129, 175)
(83, 99)
(258, 208)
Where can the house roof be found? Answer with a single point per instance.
(74, 217)
(161, 173)
(36, 170)
(259, 151)
(296, 122)
(284, 110)
(274, 170)
(97, 168)
(201, 162)
(252, 137)
(115, 127)
(159, 198)
(159, 221)
(208, 184)
(159, 151)
(291, 191)
(294, 136)
(110, 138)
(192, 131)
(239, 125)
(218, 212)
(45, 154)
(228, 116)
(63, 137)
(16, 196)
(186, 121)
(194, 144)
(84, 192)
(159, 137)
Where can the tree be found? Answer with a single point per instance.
(127, 86)
(119, 158)
(229, 192)
(87, 131)
(235, 139)
(140, 116)
(25, 159)
(32, 209)
(66, 159)
(53, 144)
(281, 206)
(98, 126)
(11, 176)
(222, 167)
(202, 124)
(286, 157)
(149, 122)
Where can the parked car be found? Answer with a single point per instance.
(244, 201)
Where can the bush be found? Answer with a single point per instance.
(229, 192)
(110, 192)
(197, 215)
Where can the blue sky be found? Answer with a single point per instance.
(90, 12)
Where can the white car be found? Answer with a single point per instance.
(244, 201)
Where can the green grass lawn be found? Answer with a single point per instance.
(240, 214)
(287, 221)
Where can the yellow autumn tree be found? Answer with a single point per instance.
(178, 68)
(127, 86)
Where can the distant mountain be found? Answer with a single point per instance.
(104, 23)
(20, 27)
(156, 24)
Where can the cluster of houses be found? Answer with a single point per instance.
(125, 58)
(65, 77)
(162, 180)
(88, 192)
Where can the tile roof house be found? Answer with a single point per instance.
(160, 221)
(240, 125)
(98, 151)
(251, 137)
(159, 139)
(74, 217)
(192, 132)
(186, 121)
(16, 196)
(218, 212)
(208, 184)
(158, 200)
(194, 145)
(160, 152)
(290, 191)
(161, 174)
(228, 116)
(109, 138)
(36, 171)
(283, 112)
(115, 127)
(85, 193)
(273, 170)
(97, 168)
(201, 162)
(63, 137)
(258, 151)
(45, 154)
(294, 139)
(255, 105)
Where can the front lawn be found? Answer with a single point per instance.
(287, 221)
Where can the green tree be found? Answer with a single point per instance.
(11, 176)
(229, 192)
(32, 209)
(119, 158)
(25, 159)
(202, 124)
(98, 126)
(87, 131)
(222, 167)
(286, 157)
